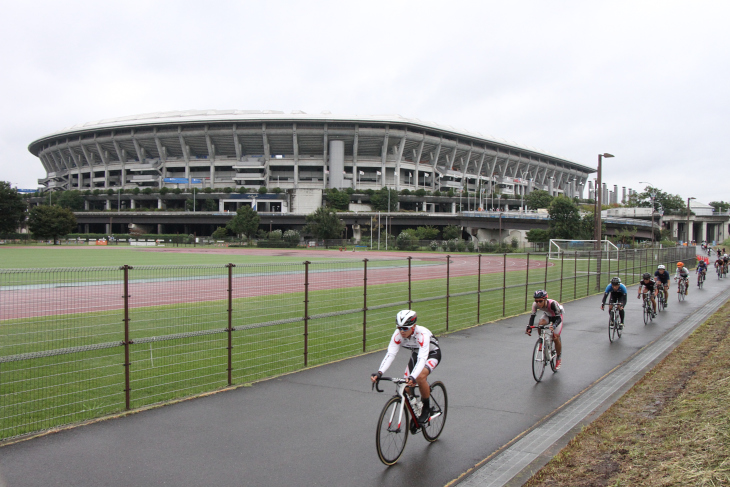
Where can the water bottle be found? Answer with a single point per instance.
(416, 405)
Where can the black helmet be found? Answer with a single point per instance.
(540, 294)
(616, 280)
(646, 276)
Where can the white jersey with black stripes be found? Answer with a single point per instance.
(422, 341)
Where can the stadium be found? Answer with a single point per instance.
(302, 154)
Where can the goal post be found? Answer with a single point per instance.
(581, 248)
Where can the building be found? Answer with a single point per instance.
(299, 153)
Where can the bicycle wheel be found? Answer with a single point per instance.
(538, 364)
(611, 328)
(391, 438)
(647, 312)
(439, 404)
(617, 324)
(553, 355)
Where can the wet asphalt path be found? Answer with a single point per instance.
(317, 427)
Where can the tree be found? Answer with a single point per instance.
(219, 233)
(324, 224)
(451, 232)
(538, 199)
(670, 202)
(246, 222)
(51, 222)
(537, 235)
(293, 237)
(565, 221)
(71, 200)
(720, 206)
(407, 239)
(12, 208)
(339, 200)
(379, 200)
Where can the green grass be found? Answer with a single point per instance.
(49, 391)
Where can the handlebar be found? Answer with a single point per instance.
(396, 380)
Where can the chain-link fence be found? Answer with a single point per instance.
(76, 344)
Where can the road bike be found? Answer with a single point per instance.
(661, 299)
(614, 323)
(648, 310)
(718, 269)
(700, 279)
(400, 416)
(544, 352)
(682, 290)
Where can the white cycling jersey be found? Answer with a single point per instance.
(683, 273)
(422, 341)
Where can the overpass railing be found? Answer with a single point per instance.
(81, 343)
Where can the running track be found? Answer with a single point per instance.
(181, 286)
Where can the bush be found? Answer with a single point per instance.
(164, 190)
(220, 233)
(435, 245)
(293, 237)
(420, 192)
(227, 190)
(135, 191)
(177, 191)
(451, 244)
(96, 192)
(242, 190)
(208, 190)
(278, 190)
(145, 191)
(405, 192)
(470, 246)
(110, 192)
(407, 240)
(275, 235)
(263, 190)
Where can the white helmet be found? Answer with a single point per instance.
(725, 255)
(405, 319)
(660, 266)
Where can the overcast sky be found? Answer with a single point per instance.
(645, 81)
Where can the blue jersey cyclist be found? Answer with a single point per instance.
(425, 356)
(661, 277)
(702, 268)
(618, 293)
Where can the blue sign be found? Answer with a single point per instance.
(183, 180)
(25, 190)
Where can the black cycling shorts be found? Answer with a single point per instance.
(434, 358)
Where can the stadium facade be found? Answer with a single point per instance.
(300, 153)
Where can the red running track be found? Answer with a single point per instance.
(185, 288)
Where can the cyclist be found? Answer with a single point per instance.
(682, 273)
(425, 356)
(718, 265)
(648, 284)
(618, 294)
(701, 270)
(725, 260)
(553, 314)
(661, 277)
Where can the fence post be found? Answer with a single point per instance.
(127, 341)
(575, 276)
(410, 301)
(504, 283)
(588, 279)
(306, 311)
(609, 267)
(448, 259)
(527, 277)
(479, 286)
(365, 299)
(562, 259)
(546, 269)
(230, 322)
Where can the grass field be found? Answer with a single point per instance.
(76, 369)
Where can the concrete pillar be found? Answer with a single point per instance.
(424, 206)
(453, 208)
(159, 228)
(108, 204)
(674, 227)
(623, 194)
(615, 194)
(551, 188)
(86, 228)
(108, 229)
(591, 192)
(160, 204)
(604, 194)
(132, 203)
(86, 205)
(703, 232)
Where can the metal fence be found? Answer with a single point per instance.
(76, 344)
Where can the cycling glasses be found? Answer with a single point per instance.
(404, 328)
(539, 300)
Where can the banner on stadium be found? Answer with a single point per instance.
(183, 180)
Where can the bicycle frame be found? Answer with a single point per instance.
(400, 391)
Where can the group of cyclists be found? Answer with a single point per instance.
(426, 353)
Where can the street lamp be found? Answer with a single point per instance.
(597, 216)
(688, 235)
(653, 196)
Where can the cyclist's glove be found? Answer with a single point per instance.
(377, 375)
(528, 331)
(411, 378)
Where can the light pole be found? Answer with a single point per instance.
(653, 196)
(410, 175)
(688, 235)
(193, 199)
(597, 216)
